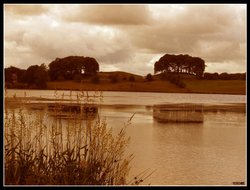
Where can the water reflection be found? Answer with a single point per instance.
(178, 113)
(71, 111)
(191, 113)
(183, 153)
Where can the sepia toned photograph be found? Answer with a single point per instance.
(124, 95)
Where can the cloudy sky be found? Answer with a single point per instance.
(126, 37)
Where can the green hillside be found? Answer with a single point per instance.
(123, 82)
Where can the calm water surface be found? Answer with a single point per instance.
(208, 153)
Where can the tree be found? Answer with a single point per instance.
(149, 77)
(90, 66)
(30, 74)
(77, 77)
(199, 67)
(224, 76)
(211, 76)
(37, 76)
(12, 74)
(95, 79)
(131, 78)
(41, 76)
(113, 78)
(69, 66)
(180, 64)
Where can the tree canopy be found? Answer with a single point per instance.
(180, 64)
(66, 68)
(37, 75)
(14, 74)
(149, 77)
(225, 76)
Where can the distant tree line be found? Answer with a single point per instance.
(180, 64)
(34, 77)
(225, 76)
(68, 68)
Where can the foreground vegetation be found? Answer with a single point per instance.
(40, 150)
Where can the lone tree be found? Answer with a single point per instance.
(37, 75)
(149, 77)
(66, 68)
(13, 73)
(180, 64)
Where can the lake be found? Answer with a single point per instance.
(211, 151)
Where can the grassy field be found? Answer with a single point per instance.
(154, 86)
(217, 86)
(140, 84)
(123, 81)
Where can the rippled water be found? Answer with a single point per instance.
(209, 153)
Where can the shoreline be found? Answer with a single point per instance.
(113, 90)
(204, 107)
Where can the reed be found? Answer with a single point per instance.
(39, 150)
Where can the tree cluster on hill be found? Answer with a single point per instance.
(69, 67)
(180, 64)
(34, 77)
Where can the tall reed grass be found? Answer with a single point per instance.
(39, 150)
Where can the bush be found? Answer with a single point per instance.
(173, 79)
(131, 78)
(224, 76)
(77, 77)
(163, 76)
(149, 77)
(60, 78)
(113, 78)
(95, 79)
(180, 84)
(211, 76)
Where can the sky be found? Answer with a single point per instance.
(126, 37)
